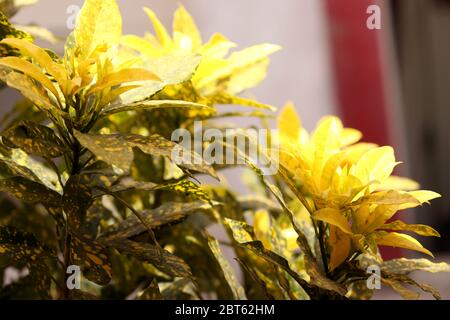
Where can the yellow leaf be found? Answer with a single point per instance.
(248, 77)
(376, 164)
(99, 23)
(161, 32)
(340, 247)
(30, 70)
(400, 240)
(326, 140)
(123, 76)
(424, 196)
(350, 136)
(35, 93)
(217, 47)
(141, 45)
(40, 56)
(184, 24)
(333, 217)
(398, 183)
(420, 229)
(289, 123)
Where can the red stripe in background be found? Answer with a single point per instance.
(358, 74)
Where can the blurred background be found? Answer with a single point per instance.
(391, 82)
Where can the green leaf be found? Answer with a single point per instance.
(151, 104)
(22, 249)
(18, 163)
(311, 266)
(151, 292)
(224, 98)
(8, 31)
(117, 149)
(263, 283)
(168, 263)
(243, 234)
(29, 191)
(92, 257)
(168, 213)
(235, 286)
(188, 188)
(30, 90)
(76, 200)
(35, 139)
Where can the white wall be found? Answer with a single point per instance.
(300, 72)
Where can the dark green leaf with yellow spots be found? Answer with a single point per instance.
(16, 162)
(235, 286)
(179, 289)
(117, 149)
(30, 191)
(35, 139)
(152, 104)
(8, 31)
(129, 185)
(187, 188)
(92, 257)
(167, 262)
(22, 250)
(77, 199)
(151, 292)
(168, 213)
(224, 98)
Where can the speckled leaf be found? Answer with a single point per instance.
(117, 149)
(420, 229)
(244, 235)
(29, 191)
(34, 92)
(151, 292)
(92, 257)
(168, 263)
(423, 286)
(168, 213)
(152, 104)
(19, 163)
(398, 287)
(406, 266)
(358, 290)
(8, 31)
(236, 288)
(130, 185)
(36, 139)
(77, 199)
(178, 289)
(22, 249)
(311, 266)
(99, 23)
(224, 98)
(188, 188)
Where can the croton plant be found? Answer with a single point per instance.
(88, 180)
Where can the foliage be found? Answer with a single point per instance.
(87, 177)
